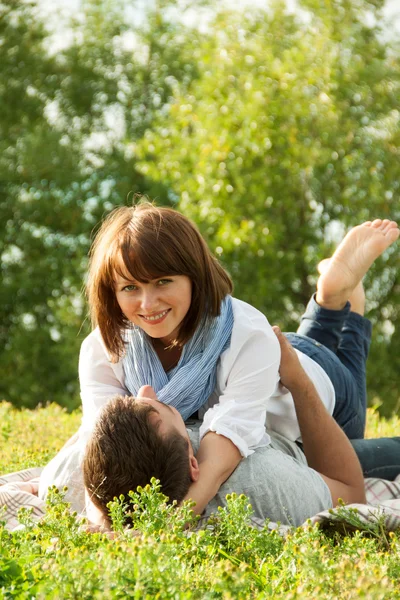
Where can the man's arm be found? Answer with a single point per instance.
(217, 457)
(326, 446)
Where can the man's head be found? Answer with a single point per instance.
(133, 441)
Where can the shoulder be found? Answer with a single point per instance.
(93, 345)
(250, 325)
(247, 316)
(253, 344)
(99, 377)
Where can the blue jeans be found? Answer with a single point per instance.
(339, 342)
(379, 457)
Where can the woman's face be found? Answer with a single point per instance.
(158, 307)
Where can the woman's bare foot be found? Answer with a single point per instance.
(351, 260)
(357, 297)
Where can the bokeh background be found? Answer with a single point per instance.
(275, 126)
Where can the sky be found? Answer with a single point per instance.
(55, 9)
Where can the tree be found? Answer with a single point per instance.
(289, 135)
(69, 125)
(273, 131)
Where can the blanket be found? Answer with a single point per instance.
(19, 490)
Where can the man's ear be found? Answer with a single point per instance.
(194, 468)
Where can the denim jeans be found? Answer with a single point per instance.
(339, 342)
(379, 457)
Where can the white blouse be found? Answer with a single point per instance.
(247, 396)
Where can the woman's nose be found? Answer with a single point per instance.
(149, 300)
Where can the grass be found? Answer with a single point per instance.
(57, 559)
(30, 438)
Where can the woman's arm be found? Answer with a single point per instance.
(253, 377)
(217, 458)
(235, 426)
(99, 379)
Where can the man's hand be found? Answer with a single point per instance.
(325, 445)
(291, 372)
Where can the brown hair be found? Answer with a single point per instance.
(126, 450)
(149, 242)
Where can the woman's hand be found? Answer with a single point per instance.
(146, 391)
(31, 486)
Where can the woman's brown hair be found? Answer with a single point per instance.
(148, 242)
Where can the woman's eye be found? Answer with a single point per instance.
(129, 288)
(163, 281)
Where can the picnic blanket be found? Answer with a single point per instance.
(383, 504)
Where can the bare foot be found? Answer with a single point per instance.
(357, 297)
(352, 259)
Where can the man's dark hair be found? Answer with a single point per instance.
(126, 450)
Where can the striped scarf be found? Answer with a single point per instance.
(189, 385)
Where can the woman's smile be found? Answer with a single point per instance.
(155, 318)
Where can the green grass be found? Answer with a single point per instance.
(58, 559)
(30, 438)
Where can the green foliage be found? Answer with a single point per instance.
(38, 225)
(57, 558)
(31, 438)
(274, 131)
(147, 510)
(158, 558)
(69, 125)
(290, 134)
(375, 527)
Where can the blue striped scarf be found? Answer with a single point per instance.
(189, 385)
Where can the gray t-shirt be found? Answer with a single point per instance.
(276, 479)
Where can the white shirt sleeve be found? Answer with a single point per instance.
(100, 379)
(248, 376)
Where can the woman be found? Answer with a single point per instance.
(164, 316)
